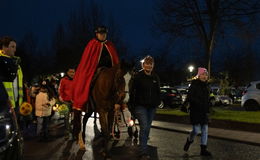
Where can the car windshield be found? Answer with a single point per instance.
(214, 91)
(173, 91)
(169, 90)
(183, 91)
(258, 85)
(248, 85)
(163, 91)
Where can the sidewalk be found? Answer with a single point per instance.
(232, 135)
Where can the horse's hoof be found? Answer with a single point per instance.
(82, 148)
(103, 153)
(108, 158)
(135, 142)
(81, 145)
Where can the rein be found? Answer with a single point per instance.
(119, 94)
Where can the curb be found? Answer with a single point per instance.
(214, 123)
(211, 136)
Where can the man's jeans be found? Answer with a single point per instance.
(204, 133)
(145, 116)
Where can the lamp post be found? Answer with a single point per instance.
(191, 68)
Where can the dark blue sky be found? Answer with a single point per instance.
(42, 16)
(134, 19)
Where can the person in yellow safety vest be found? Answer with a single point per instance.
(15, 88)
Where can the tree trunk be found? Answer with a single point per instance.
(210, 46)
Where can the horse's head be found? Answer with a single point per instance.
(121, 82)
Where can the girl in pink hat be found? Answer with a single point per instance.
(198, 97)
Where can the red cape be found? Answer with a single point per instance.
(86, 69)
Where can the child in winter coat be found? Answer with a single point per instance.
(198, 97)
(43, 108)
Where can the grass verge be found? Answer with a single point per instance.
(221, 114)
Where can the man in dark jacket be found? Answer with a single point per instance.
(145, 94)
(198, 97)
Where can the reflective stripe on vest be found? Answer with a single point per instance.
(10, 90)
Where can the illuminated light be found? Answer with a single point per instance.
(142, 61)
(7, 127)
(54, 108)
(62, 74)
(83, 113)
(131, 123)
(191, 68)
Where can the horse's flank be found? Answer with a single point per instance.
(103, 89)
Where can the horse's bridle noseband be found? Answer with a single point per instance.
(119, 98)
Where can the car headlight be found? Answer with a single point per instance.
(7, 135)
(8, 127)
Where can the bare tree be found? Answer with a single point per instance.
(204, 19)
(71, 38)
(28, 51)
(243, 56)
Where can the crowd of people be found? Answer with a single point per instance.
(74, 92)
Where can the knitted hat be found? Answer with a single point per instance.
(201, 71)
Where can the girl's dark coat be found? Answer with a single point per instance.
(198, 97)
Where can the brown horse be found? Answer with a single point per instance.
(110, 88)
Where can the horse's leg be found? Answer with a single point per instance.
(110, 120)
(103, 118)
(85, 120)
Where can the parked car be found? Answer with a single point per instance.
(170, 97)
(251, 98)
(223, 100)
(217, 99)
(184, 93)
(11, 141)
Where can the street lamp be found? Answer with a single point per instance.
(191, 68)
(62, 74)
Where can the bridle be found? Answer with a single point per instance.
(119, 93)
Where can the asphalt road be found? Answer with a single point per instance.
(170, 144)
(164, 145)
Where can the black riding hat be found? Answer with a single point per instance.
(101, 29)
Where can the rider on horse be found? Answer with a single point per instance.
(99, 52)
